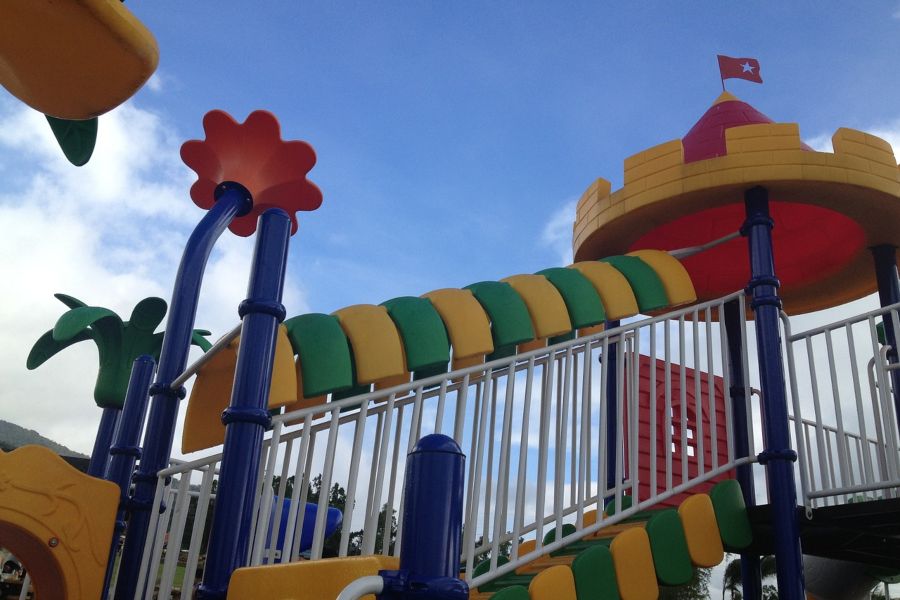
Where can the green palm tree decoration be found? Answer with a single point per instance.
(118, 342)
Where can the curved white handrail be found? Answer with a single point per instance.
(373, 584)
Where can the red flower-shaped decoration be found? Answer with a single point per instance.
(253, 154)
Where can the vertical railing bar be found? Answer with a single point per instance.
(489, 456)
(575, 486)
(395, 467)
(373, 470)
(727, 362)
(880, 445)
(653, 434)
(475, 490)
(559, 470)
(682, 399)
(318, 540)
(503, 467)
(287, 553)
(359, 434)
(265, 517)
(667, 338)
(519, 512)
(264, 472)
(162, 526)
(698, 396)
(836, 397)
(634, 417)
(620, 426)
(469, 526)
(748, 406)
(546, 401)
(817, 408)
(150, 542)
(305, 476)
(379, 476)
(415, 427)
(461, 397)
(439, 415)
(176, 532)
(197, 531)
(795, 403)
(584, 463)
(860, 414)
(711, 392)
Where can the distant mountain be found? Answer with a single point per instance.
(12, 436)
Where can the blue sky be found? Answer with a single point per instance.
(452, 138)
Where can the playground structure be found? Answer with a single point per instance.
(566, 416)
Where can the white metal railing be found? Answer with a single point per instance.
(844, 421)
(533, 427)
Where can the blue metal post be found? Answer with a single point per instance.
(751, 577)
(778, 455)
(100, 454)
(432, 524)
(247, 418)
(232, 200)
(612, 387)
(889, 293)
(125, 449)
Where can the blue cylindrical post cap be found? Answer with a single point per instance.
(437, 442)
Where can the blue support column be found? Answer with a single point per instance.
(100, 454)
(889, 293)
(247, 418)
(232, 200)
(751, 577)
(612, 416)
(778, 457)
(432, 525)
(125, 449)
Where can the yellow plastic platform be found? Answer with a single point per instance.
(57, 521)
(73, 59)
(306, 580)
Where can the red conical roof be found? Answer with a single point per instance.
(706, 139)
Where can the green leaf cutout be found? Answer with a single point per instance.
(76, 138)
(70, 301)
(46, 347)
(148, 314)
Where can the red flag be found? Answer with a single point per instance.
(739, 68)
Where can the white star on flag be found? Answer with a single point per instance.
(748, 68)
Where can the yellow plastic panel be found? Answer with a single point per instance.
(532, 345)
(615, 291)
(674, 277)
(377, 349)
(401, 379)
(527, 546)
(57, 521)
(633, 560)
(73, 59)
(306, 580)
(211, 394)
(555, 583)
(701, 531)
(545, 305)
(467, 324)
(589, 518)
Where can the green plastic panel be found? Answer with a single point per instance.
(581, 298)
(611, 504)
(731, 515)
(510, 321)
(485, 565)
(324, 353)
(595, 574)
(645, 283)
(424, 336)
(513, 592)
(550, 536)
(669, 548)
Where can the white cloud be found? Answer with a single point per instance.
(557, 233)
(110, 233)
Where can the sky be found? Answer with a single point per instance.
(453, 139)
